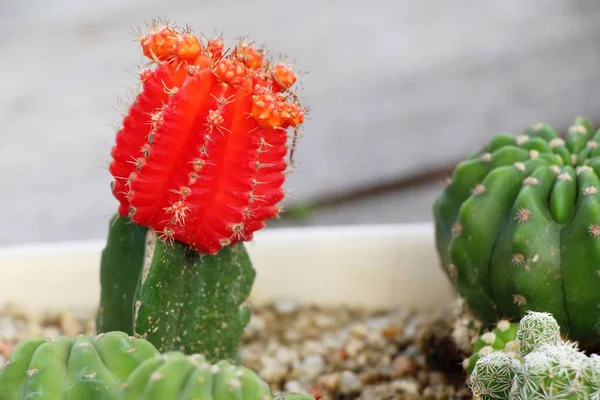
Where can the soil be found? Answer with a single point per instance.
(337, 353)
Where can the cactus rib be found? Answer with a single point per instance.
(80, 368)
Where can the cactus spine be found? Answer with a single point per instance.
(121, 265)
(518, 228)
(194, 302)
(503, 338)
(200, 162)
(81, 368)
(546, 368)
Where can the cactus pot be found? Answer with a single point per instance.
(385, 266)
(370, 265)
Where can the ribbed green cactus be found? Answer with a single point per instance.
(553, 371)
(192, 302)
(537, 329)
(81, 368)
(175, 376)
(502, 338)
(171, 295)
(518, 228)
(547, 367)
(494, 376)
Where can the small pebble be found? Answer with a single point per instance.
(409, 386)
(331, 353)
(69, 323)
(349, 383)
(294, 387)
(8, 329)
(286, 306)
(437, 378)
(331, 382)
(51, 332)
(311, 367)
(403, 366)
(273, 370)
(354, 346)
(6, 349)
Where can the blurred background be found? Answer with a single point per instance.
(399, 91)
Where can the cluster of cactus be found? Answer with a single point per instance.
(546, 367)
(198, 167)
(518, 228)
(115, 366)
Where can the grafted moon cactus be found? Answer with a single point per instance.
(198, 166)
(81, 368)
(518, 228)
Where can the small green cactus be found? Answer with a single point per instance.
(501, 338)
(494, 376)
(518, 228)
(546, 367)
(552, 371)
(81, 368)
(175, 376)
(536, 329)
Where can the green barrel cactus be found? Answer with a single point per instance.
(176, 376)
(503, 338)
(518, 228)
(80, 368)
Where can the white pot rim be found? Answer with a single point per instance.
(375, 265)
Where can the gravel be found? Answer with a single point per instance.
(328, 352)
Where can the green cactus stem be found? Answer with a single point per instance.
(193, 302)
(175, 376)
(121, 265)
(518, 228)
(81, 368)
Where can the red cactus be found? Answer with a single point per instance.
(201, 155)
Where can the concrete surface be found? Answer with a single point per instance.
(395, 87)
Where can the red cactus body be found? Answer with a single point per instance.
(201, 155)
